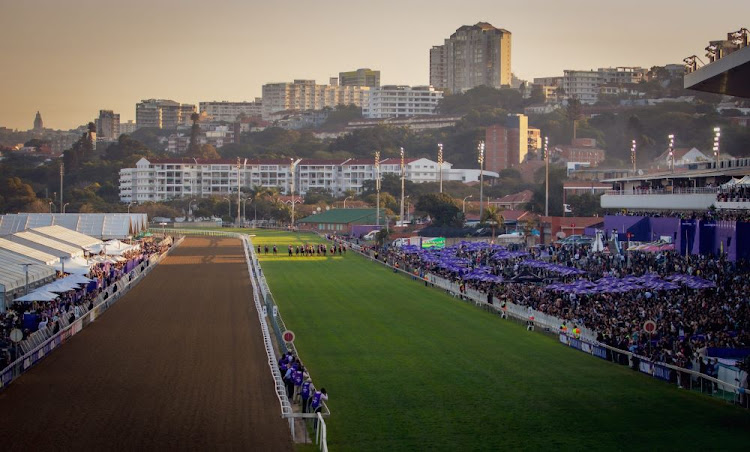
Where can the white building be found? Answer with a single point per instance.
(162, 113)
(392, 101)
(229, 111)
(307, 95)
(586, 85)
(163, 179)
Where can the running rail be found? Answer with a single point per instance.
(260, 292)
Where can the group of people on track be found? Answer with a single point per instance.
(307, 250)
(299, 386)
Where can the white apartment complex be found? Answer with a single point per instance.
(163, 179)
(392, 101)
(162, 113)
(307, 95)
(586, 86)
(474, 55)
(229, 111)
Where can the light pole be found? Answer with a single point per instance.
(546, 176)
(463, 208)
(632, 155)
(671, 151)
(480, 159)
(377, 189)
(717, 136)
(345, 201)
(65, 205)
(407, 208)
(239, 191)
(440, 164)
(291, 169)
(50, 206)
(403, 175)
(244, 211)
(130, 204)
(26, 268)
(229, 211)
(62, 171)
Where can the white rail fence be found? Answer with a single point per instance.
(268, 312)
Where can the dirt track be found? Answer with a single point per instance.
(178, 363)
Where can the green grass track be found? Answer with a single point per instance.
(410, 368)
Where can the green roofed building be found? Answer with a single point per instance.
(340, 221)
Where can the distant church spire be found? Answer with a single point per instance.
(38, 123)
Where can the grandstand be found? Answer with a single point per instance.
(104, 226)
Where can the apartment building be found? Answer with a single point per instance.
(395, 101)
(506, 145)
(107, 125)
(307, 95)
(229, 111)
(474, 55)
(587, 85)
(360, 77)
(162, 113)
(163, 179)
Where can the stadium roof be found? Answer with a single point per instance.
(101, 225)
(28, 253)
(67, 236)
(13, 273)
(728, 75)
(345, 216)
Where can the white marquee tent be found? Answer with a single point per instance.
(46, 244)
(13, 274)
(101, 225)
(30, 254)
(67, 236)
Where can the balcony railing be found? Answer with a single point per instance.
(665, 191)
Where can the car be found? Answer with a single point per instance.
(370, 235)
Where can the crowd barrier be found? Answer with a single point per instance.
(268, 311)
(42, 343)
(585, 340)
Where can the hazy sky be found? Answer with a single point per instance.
(71, 58)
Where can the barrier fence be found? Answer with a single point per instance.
(585, 341)
(268, 311)
(41, 343)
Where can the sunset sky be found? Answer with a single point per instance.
(69, 59)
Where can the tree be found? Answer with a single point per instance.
(574, 112)
(585, 205)
(15, 195)
(208, 152)
(194, 148)
(318, 195)
(442, 208)
(492, 216)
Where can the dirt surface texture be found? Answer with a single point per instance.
(177, 364)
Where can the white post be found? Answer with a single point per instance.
(403, 175)
(480, 159)
(440, 164)
(546, 177)
(377, 188)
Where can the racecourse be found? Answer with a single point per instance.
(177, 364)
(411, 368)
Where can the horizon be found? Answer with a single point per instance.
(133, 56)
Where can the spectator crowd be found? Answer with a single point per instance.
(688, 320)
(34, 316)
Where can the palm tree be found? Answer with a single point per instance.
(492, 216)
